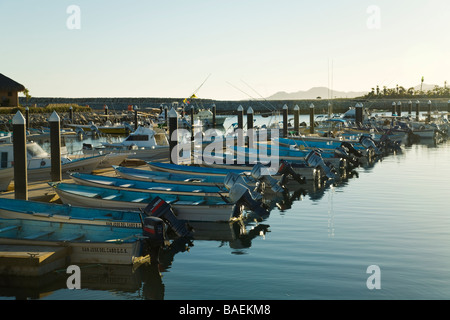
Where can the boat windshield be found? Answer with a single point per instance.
(35, 150)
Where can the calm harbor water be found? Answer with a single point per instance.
(393, 214)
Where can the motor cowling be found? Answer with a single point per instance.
(154, 229)
(314, 159)
(161, 209)
(368, 142)
(286, 170)
(260, 173)
(242, 197)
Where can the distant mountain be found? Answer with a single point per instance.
(314, 93)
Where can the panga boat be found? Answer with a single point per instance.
(147, 186)
(88, 243)
(63, 213)
(196, 208)
(166, 177)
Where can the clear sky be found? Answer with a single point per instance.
(250, 48)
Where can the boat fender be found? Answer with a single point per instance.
(43, 163)
(161, 209)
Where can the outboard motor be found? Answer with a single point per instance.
(241, 196)
(286, 170)
(351, 149)
(368, 142)
(314, 159)
(342, 152)
(154, 229)
(258, 174)
(161, 209)
(232, 178)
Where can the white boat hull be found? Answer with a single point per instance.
(213, 213)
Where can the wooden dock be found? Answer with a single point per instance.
(32, 261)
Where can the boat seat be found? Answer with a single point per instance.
(59, 216)
(72, 238)
(126, 185)
(160, 188)
(38, 235)
(5, 229)
(41, 214)
(112, 197)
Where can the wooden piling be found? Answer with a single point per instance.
(311, 118)
(249, 118)
(192, 123)
(417, 110)
(399, 109)
(297, 119)
(240, 133)
(136, 122)
(429, 111)
(27, 117)
(71, 114)
(409, 107)
(106, 110)
(359, 114)
(393, 109)
(55, 147)
(213, 116)
(20, 157)
(173, 141)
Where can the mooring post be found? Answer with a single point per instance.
(399, 108)
(55, 147)
(136, 121)
(20, 157)
(311, 118)
(249, 118)
(173, 136)
(429, 110)
(417, 110)
(166, 110)
(359, 114)
(27, 118)
(297, 119)
(192, 123)
(393, 109)
(71, 114)
(240, 133)
(106, 110)
(448, 109)
(285, 121)
(214, 116)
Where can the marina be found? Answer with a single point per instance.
(103, 217)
